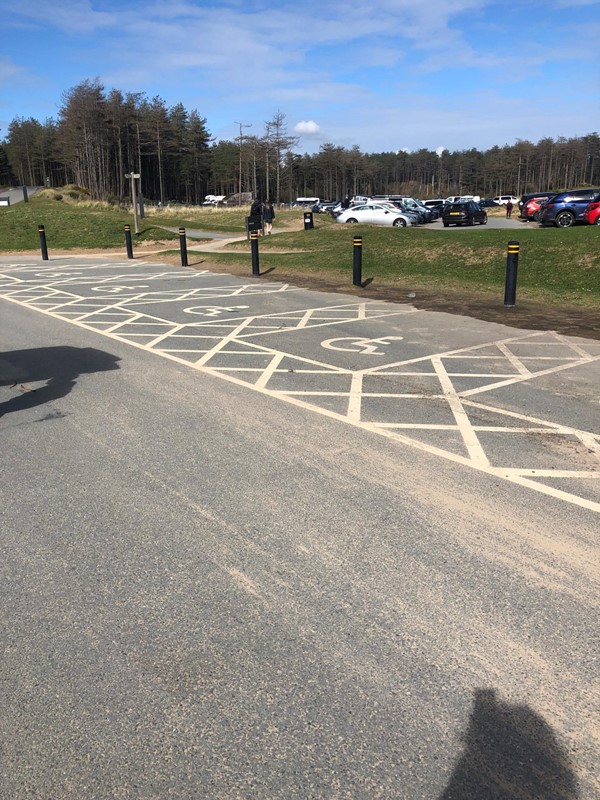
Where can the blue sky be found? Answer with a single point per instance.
(391, 75)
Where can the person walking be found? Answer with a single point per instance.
(509, 208)
(268, 216)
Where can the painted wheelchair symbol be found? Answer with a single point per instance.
(366, 347)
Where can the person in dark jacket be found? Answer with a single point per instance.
(268, 216)
(256, 208)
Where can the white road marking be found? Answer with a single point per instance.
(43, 298)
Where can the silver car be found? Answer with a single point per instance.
(376, 214)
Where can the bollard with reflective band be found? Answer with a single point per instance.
(43, 246)
(357, 262)
(128, 244)
(254, 249)
(183, 247)
(512, 263)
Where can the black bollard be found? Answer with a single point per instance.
(25, 195)
(357, 262)
(43, 246)
(183, 247)
(512, 262)
(254, 248)
(128, 244)
(308, 221)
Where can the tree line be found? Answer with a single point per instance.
(100, 137)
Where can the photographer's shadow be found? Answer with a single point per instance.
(510, 752)
(58, 366)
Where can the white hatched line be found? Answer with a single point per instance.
(520, 379)
(415, 426)
(470, 439)
(518, 365)
(167, 334)
(130, 320)
(574, 346)
(268, 372)
(223, 342)
(305, 318)
(393, 435)
(381, 369)
(354, 402)
(554, 426)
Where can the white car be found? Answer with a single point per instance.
(376, 214)
(503, 199)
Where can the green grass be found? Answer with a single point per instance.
(554, 265)
(71, 226)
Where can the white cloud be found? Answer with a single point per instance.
(308, 128)
(439, 150)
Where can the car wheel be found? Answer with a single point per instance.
(351, 220)
(597, 222)
(471, 221)
(484, 220)
(564, 219)
(537, 216)
(399, 223)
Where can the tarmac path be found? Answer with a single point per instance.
(268, 543)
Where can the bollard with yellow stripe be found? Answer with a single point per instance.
(254, 249)
(512, 263)
(183, 247)
(357, 262)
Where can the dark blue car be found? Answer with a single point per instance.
(565, 209)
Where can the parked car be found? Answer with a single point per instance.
(503, 199)
(565, 209)
(465, 213)
(375, 214)
(439, 204)
(530, 205)
(488, 203)
(591, 215)
(459, 198)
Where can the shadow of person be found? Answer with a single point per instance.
(58, 366)
(510, 752)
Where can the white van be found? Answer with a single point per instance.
(503, 199)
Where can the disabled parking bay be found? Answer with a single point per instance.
(521, 405)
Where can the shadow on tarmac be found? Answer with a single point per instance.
(58, 366)
(510, 752)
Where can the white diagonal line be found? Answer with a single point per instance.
(520, 379)
(469, 436)
(354, 403)
(268, 372)
(518, 365)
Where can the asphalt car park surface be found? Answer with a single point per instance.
(266, 542)
(403, 373)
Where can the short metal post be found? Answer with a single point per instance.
(512, 262)
(128, 241)
(25, 195)
(357, 262)
(183, 247)
(43, 246)
(254, 248)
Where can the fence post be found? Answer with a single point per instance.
(512, 263)
(254, 248)
(128, 241)
(43, 246)
(183, 247)
(357, 262)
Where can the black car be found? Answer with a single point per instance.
(465, 213)
(488, 203)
